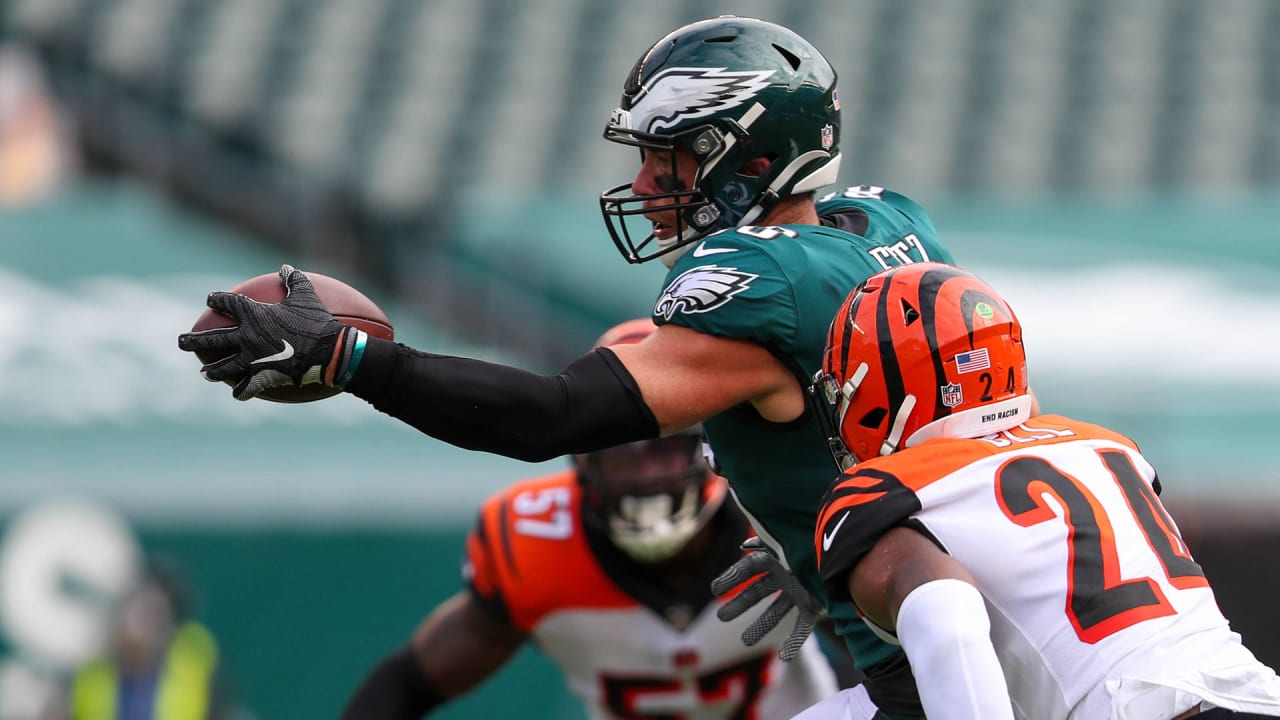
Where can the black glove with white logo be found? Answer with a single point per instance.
(286, 343)
(761, 559)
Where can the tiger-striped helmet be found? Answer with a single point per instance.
(916, 352)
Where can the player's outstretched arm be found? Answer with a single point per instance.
(453, 650)
(671, 380)
(908, 585)
(667, 382)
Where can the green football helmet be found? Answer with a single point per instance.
(727, 90)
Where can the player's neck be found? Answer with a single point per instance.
(794, 210)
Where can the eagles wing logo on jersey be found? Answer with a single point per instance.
(702, 289)
(680, 94)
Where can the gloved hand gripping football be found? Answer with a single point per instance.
(287, 343)
(761, 559)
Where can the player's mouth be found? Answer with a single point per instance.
(664, 226)
(663, 231)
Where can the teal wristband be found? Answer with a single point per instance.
(351, 358)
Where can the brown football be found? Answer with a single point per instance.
(348, 305)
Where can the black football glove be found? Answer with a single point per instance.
(761, 559)
(291, 342)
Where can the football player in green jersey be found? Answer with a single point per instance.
(738, 126)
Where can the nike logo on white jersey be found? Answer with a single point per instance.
(702, 250)
(284, 354)
(827, 537)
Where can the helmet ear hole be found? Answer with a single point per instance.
(873, 418)
(757, 166)
(909, 313)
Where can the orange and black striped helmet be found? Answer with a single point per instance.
(920, 351)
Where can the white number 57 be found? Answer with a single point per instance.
(544, 513)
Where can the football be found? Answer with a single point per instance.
(348, 305)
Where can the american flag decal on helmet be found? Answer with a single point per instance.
(973, 361)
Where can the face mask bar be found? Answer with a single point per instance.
(655, 528)
(825, 397)
(620, 205)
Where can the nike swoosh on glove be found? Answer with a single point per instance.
(760, 560)
(291, 342)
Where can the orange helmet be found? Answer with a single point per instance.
(916, 352)
(651, 497)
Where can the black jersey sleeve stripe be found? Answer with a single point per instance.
(859, 507)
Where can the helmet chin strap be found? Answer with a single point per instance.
(687, 237)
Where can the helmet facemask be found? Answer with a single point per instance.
(696, 213)
(650, 497)
(831, 400)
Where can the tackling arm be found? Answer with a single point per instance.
(907, 584)
(453, 650)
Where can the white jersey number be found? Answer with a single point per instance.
(544, 513)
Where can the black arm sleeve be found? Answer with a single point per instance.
(396, 689)
(593, 404)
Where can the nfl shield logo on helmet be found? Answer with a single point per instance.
(952, 395)
(828, 136)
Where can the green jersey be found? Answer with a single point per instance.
(780, 286)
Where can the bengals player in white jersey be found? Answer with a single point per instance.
(607, 567)
(1025, 564)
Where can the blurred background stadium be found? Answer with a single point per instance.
(1113, 165)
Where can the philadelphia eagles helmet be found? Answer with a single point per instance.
(728, 90)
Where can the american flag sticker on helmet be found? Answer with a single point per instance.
(972, 361)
